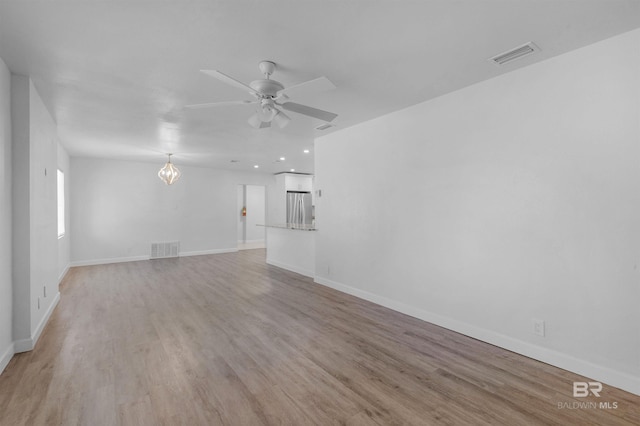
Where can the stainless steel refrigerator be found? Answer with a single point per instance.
(299, 208)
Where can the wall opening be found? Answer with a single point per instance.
(251, 208)
(60, 195)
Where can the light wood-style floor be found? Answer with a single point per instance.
(227, 339)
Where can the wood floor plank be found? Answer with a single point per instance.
(229, 340)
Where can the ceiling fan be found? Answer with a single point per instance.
(271, 97)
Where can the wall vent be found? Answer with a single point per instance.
(324, 126)
(165, 249)
(513, 54)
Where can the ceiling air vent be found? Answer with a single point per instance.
(324, 126)
(513, 54)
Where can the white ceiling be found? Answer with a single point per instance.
(115, 75)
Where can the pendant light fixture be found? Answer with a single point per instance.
(169, 173)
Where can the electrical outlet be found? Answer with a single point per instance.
(538, 327)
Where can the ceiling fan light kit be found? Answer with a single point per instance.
(281, 119)
(255, 121)
(267, 93)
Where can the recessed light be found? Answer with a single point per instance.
(293, 170)
(282, 158)
(306, 151)
(256, 166)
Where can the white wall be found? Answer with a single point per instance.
(6, 291)
(242, 220)
(21, 227)
(118, 208)
(34, 227)
(43, 209)
(513, 199)
(277, 195)
(255, 197)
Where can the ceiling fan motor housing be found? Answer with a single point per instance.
(267, 88)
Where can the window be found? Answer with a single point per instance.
(60, 203)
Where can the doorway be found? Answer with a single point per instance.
(251, 213)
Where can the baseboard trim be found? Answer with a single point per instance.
(107, 261)
(64, 272)
(600, 373)
(6, 356)
(291, 268)
(26, 345)
(203, 252)
(139, 258)
(45, 320)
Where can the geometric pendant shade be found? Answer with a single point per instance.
(169, 173)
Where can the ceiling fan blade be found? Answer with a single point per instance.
(317, 85)
(215, 104)
(309, 111)
(229, 80)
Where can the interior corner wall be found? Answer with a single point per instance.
(117, 216)
(6, 286)
(514, 199)
(34, 215)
